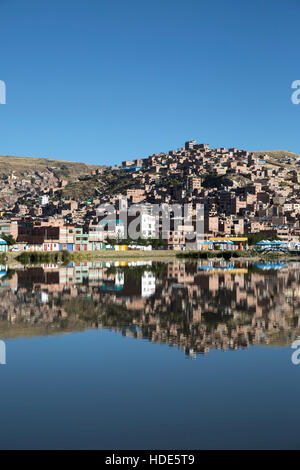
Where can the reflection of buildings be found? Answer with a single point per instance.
(148, 284)
(192, 306)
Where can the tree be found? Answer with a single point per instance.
(159, 242)
(256, 237)
(9, 239)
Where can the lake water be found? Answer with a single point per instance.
(150, 356)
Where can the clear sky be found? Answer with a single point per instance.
(104, 81)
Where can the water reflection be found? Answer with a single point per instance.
(193, 306)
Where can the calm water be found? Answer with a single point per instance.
(178, 355)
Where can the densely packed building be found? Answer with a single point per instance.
(241, 192)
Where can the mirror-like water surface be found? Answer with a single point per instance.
(158, 355)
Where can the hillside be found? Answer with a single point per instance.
(109, 182)
(276, 154)
(31, 176)
(60, 168)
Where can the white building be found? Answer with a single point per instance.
(148, 225)
(43, 200)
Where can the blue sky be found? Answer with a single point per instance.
(101, 82)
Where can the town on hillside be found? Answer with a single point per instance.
(241, 193)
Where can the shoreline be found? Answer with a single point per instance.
(105, 255)
(60, 257)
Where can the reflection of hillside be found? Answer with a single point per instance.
(179, 303)
(25, 329)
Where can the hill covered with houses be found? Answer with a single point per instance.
(242, 192)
